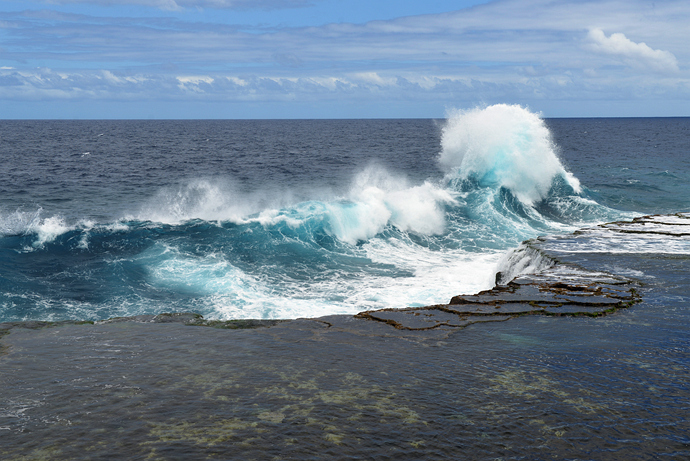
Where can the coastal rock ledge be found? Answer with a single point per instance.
(557, 291)
(566, 286)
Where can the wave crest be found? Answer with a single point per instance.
(378, 199)
(503, 146)
(375, 199)
(30, 223)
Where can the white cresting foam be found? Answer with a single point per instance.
(377, 199)
(503, 146)
(48, 229)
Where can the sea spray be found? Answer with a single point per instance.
(503, 146)
(19, 222)
(378, 199)
(32, 223)
(524, 259)
(210, 199)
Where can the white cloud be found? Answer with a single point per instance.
(386, 86)
(374, 78)
(195, 79)
(194, 83)
(638, 55)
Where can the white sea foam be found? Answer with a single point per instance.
(226, 292)
(437, 275)
(47, 230)
(433, 281)
(604, 241)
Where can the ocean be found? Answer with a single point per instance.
(582, 350)
(269, 219)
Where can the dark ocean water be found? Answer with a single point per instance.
(303, 218)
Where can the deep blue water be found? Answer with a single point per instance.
(302, 218)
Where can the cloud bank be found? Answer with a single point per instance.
(534, 52)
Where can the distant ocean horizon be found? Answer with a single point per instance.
(284, 218)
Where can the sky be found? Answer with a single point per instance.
(238, 59)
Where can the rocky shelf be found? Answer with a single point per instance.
(562, 288)
(552, 292)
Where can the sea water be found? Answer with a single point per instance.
(304, 218)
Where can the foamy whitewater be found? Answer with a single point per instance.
(289, 219)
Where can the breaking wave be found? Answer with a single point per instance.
(209, 247)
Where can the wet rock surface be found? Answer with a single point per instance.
(548, 293)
